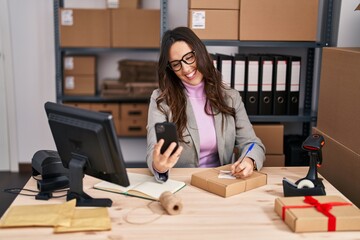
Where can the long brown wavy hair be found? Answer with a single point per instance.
(172, 88)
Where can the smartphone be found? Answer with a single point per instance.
(166, 131)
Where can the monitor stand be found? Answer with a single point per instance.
(76, 174)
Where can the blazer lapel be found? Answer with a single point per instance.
(192, 127)
(220, 138)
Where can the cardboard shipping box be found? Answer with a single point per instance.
(138, 28)
(79, 65)
(84, 28)
(307, 218)
(274, 160)
(339, 104)
(81, 85)
(214, 4)
(278, 20)
(208, 180)
(272, 136)
(211, 24)
(340, 167)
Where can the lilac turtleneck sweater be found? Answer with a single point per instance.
(209, 156)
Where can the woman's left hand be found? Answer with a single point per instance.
(244, 168)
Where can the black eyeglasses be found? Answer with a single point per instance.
(188, 58)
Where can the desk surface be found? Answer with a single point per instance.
(204, 215)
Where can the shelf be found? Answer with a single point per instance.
(87, 50)
(283, 118)
(100, 99)
(235, 43)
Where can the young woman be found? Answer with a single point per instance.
(210, 117)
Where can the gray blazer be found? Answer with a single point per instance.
(237, 133)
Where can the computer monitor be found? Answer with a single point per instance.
(87, 144)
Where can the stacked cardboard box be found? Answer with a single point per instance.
(214, 19)
(121, 26)
(272, 136)
(278, 20)
(137, 78)
(79, 75)
(255, 20)
(338, 119)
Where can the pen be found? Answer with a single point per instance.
(249, 149)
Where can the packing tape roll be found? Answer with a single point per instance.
(171, 203)
(305, 183)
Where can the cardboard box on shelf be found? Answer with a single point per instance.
(208, 180)
(214, 4)
(302, 215)
(84, 28)
(272, 136)
(75, 65)
(278, 20)
(340, 167)
(210, 24)
(79, 85)
(138, 28)
(274, 160)
(338, 109)
(138, 71)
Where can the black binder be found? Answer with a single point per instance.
(239, 67)
(279, 79)
(214, 58)
(252, 85)
(225, 63)
(266, 85)
(293, 84)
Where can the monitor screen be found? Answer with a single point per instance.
(87, 144)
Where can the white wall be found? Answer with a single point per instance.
(349, 24)
(32, 34)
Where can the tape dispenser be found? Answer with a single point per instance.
(310, 185)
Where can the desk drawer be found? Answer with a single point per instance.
(112, 108)
(134, 111)
(132, 128)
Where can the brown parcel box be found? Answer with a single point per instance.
(214, 24)
(339, 104)
(274, 160)
(214, 4)
(309, 219)
(340, 167)
(79, 85)
(272, 136)
(208, 180)
(138, 28)
(84, 28)
(278, 20)
(79, 65)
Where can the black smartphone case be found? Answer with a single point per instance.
(166, 131)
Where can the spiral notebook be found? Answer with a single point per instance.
(142, 186)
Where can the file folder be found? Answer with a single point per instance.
(293, 84)
(279, 78)
(266, 85)
(239, 66)
(225, 63)
(252, 85)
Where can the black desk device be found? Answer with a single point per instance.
(310, 185)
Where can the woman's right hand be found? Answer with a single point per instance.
(163, 162)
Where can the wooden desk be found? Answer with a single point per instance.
(249, 215)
